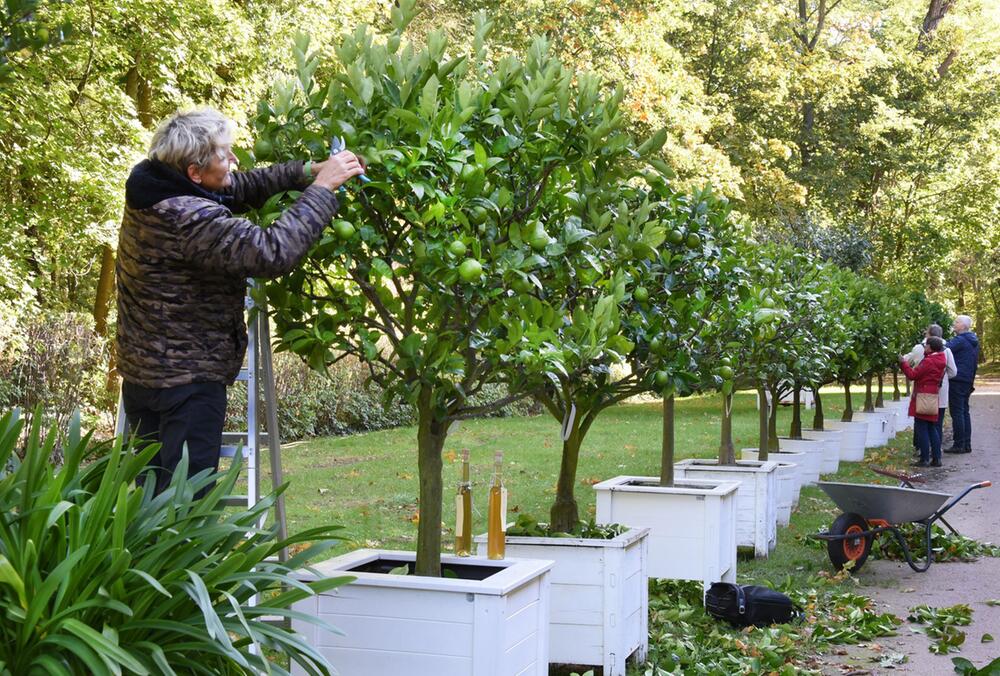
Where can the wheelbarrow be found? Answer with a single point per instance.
(870, 510)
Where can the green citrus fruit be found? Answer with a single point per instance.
(262, 149)
(726, 361)
(478, 215)
(675, 237)
(470, 270)
(726, 372)
(661, 378)
(693, 240)
(641, 294)
(522, 285)
(42, 34)
(656, 344)
(458, 248)
(343, 229)
(767, 302)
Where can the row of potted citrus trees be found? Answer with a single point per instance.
(515, 233)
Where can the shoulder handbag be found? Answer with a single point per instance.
(749, 604)
(927, 403)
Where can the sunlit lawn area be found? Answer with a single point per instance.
(368, 482)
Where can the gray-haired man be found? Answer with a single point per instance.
(965, 347)
(183, 262)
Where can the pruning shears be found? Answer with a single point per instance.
(336, 145)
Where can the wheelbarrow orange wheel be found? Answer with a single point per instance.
(855, 549)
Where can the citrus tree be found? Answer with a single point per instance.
(634, 332)
(442, 273)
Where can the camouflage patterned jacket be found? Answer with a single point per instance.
(183, 262)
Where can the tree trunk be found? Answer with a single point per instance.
(431, 435)
(848, 409)
(727, 453)
(895, 385)
(935, 13)
(795, 432)
(879, 400)
(818, 414)
(772, 421)
(667, 450)
(907, 386)
(105, 287)
(564, 513)
(869, 402)
(763, 414)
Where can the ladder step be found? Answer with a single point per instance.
(235, 501)
(229, 451)
(241, 437)
(243, 376)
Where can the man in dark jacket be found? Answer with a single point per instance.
(965, 347)
(182, 269)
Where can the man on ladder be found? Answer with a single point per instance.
(183, 262)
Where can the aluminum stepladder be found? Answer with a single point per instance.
(258, 374)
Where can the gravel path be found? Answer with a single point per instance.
(896, 588)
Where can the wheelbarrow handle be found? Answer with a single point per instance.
(955, 500)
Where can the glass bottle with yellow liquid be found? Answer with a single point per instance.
(463, 511)
(496, 520)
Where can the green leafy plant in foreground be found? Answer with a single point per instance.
(940, 625)
(100, 577)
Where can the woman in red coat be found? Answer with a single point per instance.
(927, 379)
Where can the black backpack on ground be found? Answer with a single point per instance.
(749, 605)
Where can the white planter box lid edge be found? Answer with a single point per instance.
(511, 573)
(685, 486)
(618, 542)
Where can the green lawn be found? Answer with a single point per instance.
(368, 482)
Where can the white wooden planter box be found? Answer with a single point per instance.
(878, 428)
(831, 448)
(789, 479)
(408, 624)
(852, 438)
(904, 422)
(756, 498)
(813, 449)
(599, 599)
(891, 417)
(692, 524)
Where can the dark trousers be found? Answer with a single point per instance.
(940, 424)
(186, 415)
(958, 402)
(928, 440)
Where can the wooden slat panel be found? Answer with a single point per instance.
(409, 604)
(354, 662)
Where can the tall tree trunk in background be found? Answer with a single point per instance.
(763, 415)
(772, 422)
(869, 402)
(895, 385)
(935, 13)
(879, 399)
(795, 432)
(667, 448)
(980, 318)
(818, 422)
(727, 453)
(105, 287)
(848, 407)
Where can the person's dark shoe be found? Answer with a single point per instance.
(920, 463)
(955, 449)
(935, 463)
